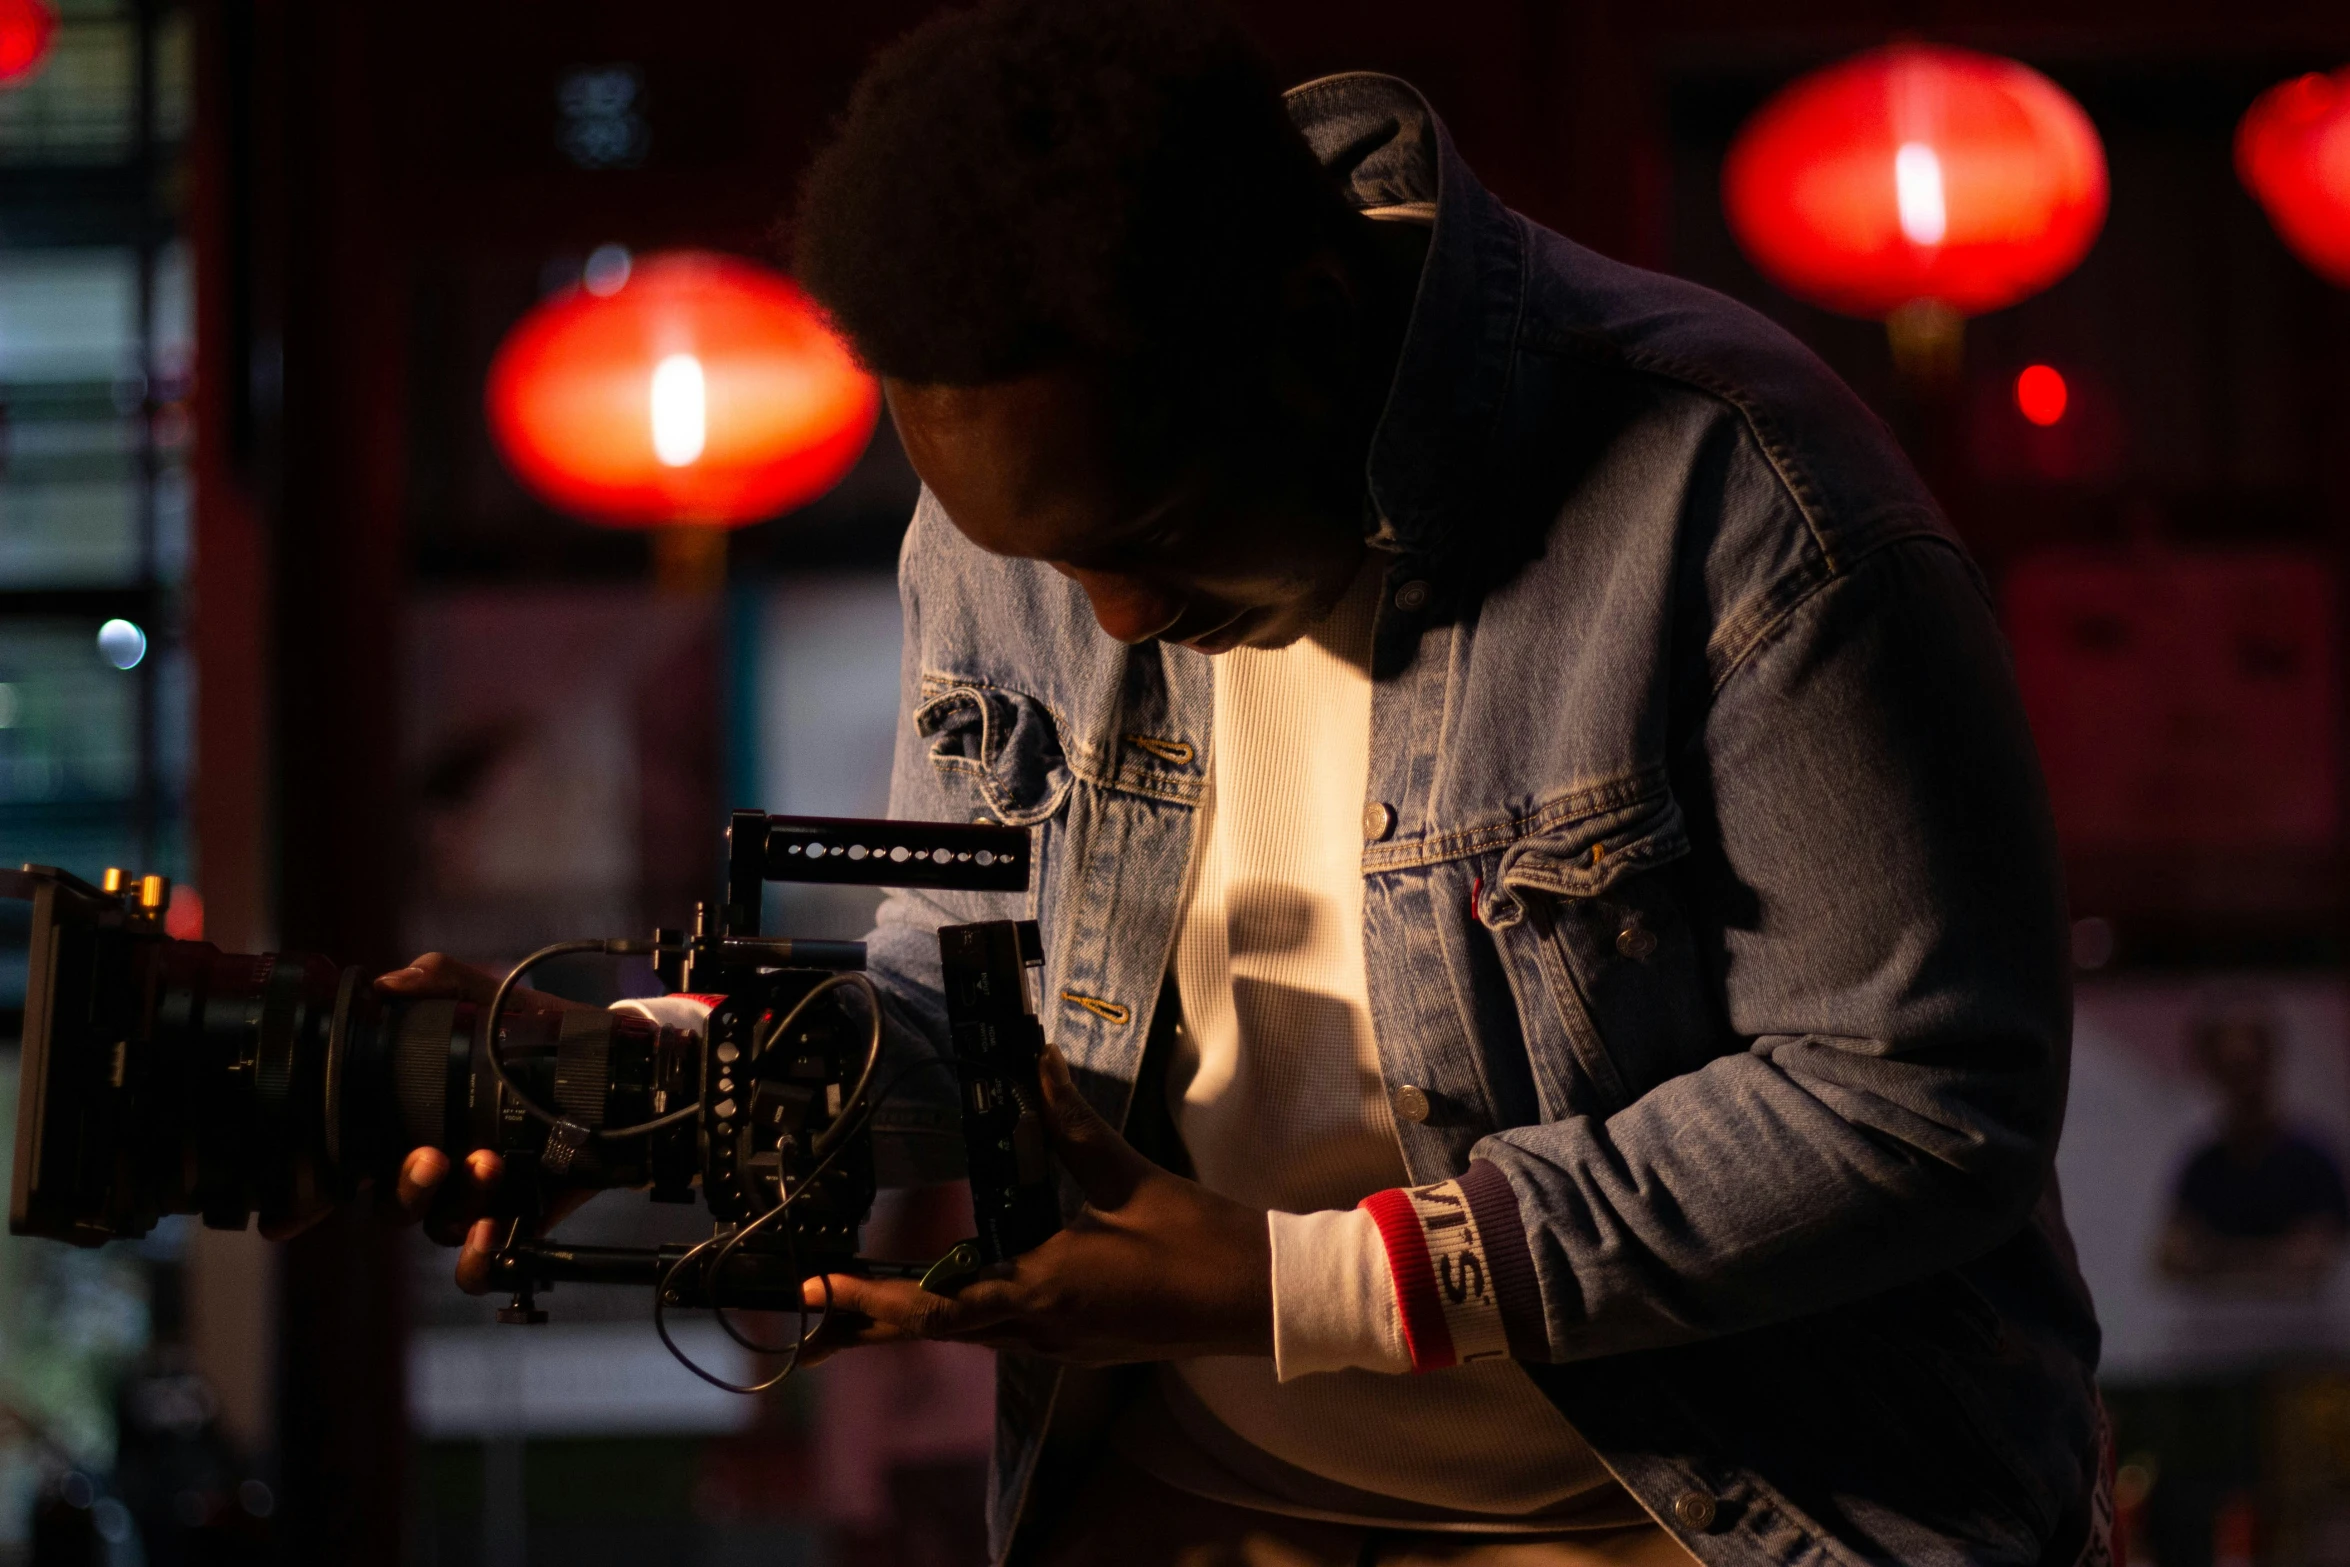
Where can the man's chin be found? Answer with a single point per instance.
(1274, 637)
(1261, 629)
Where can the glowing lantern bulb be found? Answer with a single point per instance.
(679, 390)
(28, 29)
(1917, 193)
(1914, 175)
(681, 420)
(2293, 154)
(2041, 395)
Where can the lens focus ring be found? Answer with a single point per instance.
(420, 1071)
(583, 1066)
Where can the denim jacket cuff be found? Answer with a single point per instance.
(1464, 1277)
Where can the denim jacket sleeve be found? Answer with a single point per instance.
(1877, 895)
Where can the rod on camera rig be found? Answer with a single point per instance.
(746, 1281)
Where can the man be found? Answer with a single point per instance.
(2261, 1206)
(1536, 834)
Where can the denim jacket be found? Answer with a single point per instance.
(1710, 892)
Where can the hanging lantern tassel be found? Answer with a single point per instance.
(1928, 341)
(689, 559)
(1917, 185)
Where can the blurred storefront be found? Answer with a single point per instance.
(277, 622)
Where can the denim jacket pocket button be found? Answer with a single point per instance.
(1378, 821)
(1694, 1511)
(1412, 597)
(1636, 941)
(1411, 1103)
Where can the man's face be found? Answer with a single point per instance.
(1244, 541)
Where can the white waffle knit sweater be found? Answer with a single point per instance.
(1276, 1089)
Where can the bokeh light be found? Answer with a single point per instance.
(678, 389)
(1917, 173)
(2041, 394)
(122, 644)
(2293, 154)
(28, 29)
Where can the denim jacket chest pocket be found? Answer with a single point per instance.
(1003, 746)
(1593, 925)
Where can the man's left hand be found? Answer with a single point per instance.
(1155, 1266)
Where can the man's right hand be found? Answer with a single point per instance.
(452, 1200)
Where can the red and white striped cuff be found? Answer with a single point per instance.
(1464, 1278)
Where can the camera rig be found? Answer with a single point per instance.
(781, 1134)
(165, 1076)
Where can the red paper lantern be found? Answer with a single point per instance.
(27, 29)
(2293, 154)
(702, 390)
(1913, 174)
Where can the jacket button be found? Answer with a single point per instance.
(1411, 1102)
(1695, 1511)
(1636, 941)
(1378, 821)
(1412, 597)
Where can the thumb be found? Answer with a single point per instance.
(1105, 1165)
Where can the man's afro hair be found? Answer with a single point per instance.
(1030, 182)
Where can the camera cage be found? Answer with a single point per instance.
(757, 1256)
(777, 1130)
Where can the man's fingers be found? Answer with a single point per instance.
(1106, 1166)
(903, 1309)
(848, 1295)
(421, 1174)
(473, 1263)
(461, 1219)
(464, 1196)
(437, 975)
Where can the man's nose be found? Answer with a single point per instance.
(1128, 609)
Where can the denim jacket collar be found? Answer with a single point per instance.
(1432, 451)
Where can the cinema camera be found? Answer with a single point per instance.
(164, 1076)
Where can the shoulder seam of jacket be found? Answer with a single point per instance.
(1794, 479)
(1764, 634)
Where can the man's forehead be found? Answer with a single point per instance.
(1024, 466)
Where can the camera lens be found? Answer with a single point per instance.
(165, 1076)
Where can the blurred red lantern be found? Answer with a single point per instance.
(2293, 154)
(1917, 174)
(2041, 394)
(699, 391)
(27, 29)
